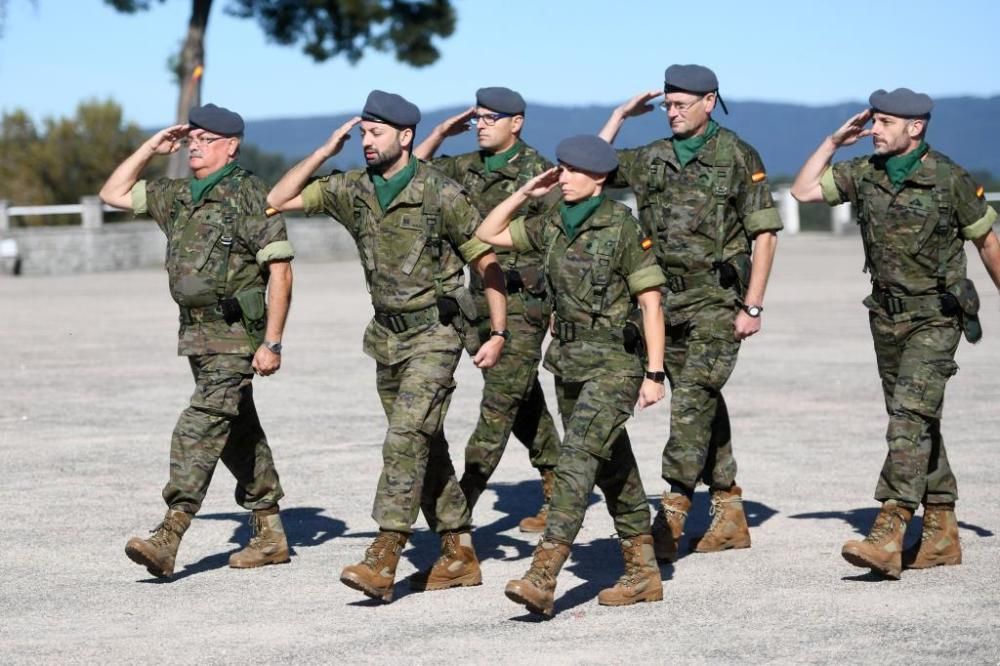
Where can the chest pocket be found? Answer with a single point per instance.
(602, 250)
(198, 257)
(366, 239)
(413, 232)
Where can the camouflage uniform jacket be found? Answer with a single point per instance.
(196, 249)
(487, 190)
(684, 208)
(593, 277)
(916, 231)
(396, 250)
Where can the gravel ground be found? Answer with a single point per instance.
(92, 390)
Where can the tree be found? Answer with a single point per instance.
(325, 28)
(68, 159)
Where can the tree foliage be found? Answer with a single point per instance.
(64, 159)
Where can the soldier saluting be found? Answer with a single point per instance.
(704, 200)
(415, 231)
(916, 208)
(223, 252)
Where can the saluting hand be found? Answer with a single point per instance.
(168, 140)
(541, 184)
(456, 124)
(853, 130)
(639, 104)
(341, 135)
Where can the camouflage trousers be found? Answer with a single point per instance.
(221, 422)
(915, 360)
(513, 401)
(417, 472)
(700, 357)
(597, 450)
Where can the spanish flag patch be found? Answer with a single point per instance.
(646, 243)
(271, 211)
(758, 177)
(979, 192)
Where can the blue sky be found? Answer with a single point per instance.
(59, 52)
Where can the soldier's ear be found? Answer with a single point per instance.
(916, 127)
(406, 137)
(710, 100)
(516, 123)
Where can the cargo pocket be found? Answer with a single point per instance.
(436, 408)
(923, 391)
(218, 393)
(711, 357)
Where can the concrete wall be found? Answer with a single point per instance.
(140, 244)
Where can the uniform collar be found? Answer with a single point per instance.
(412, 194)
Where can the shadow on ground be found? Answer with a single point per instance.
(305, 527)
(861, 521)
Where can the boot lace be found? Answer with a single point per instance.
(539, 572)
(633, 566)
(383, 542)
(449, 547)
(884, 525)
(716, 509)
(162, 534)
(256, 540)
(932, 524)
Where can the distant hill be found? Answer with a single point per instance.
(965, 128)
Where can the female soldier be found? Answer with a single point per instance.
(597, 265)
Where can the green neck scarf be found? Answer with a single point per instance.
(201, 186)
(499, 160)
(686, 149)
(387, 190)
(575, 214)
(899, 167)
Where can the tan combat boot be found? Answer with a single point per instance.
(457, 566)
(375, 574)
(729, 527)
(536, 591)
(641, 581)
(668, 526)
(939, 544)
(882, 549)
(268, 544)
(157, 553)
(536, 523)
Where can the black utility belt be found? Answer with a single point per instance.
(895, 305)
(399, 322)
(209, 313)
(721, 274)
(570, 331)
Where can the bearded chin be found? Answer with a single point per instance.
(384, 160)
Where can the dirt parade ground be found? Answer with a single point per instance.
(91, 389)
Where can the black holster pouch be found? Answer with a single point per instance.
(515, 284)
(231, 310)
(250, 308)
(632, 333)
(458, 309)
(728, 278)
(961, 300)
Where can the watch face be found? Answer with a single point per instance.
(753, 311)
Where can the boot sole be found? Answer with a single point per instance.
(858, 560)
(530, 530)
(141, 558)
(469, 580)
(653, 596)
(352, 582)
(950, 562)
(274, 559)
(728, 546)
(516, 597)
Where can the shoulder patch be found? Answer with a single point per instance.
(646, 243)
(758, 177)
(980, 190)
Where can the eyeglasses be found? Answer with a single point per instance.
(488, 119)
(680, 107)
(204, 141)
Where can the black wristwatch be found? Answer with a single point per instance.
(752, 310)
(275, 347)
(658, 376)
(505, 334)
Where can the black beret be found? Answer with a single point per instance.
(902, 102)
(383, 107)
(501, 100)
(690, 78)
(588, 153)
(216, 119)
